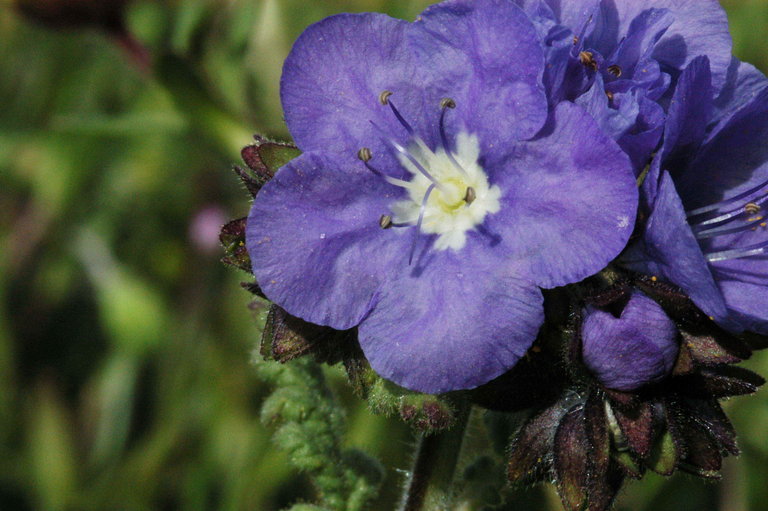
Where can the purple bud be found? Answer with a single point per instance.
(633, 350)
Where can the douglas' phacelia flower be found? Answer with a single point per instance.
(619, 58)
(437, 192)
(705, 197)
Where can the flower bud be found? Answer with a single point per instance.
(638, 348)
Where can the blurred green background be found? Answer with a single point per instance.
(125, 346)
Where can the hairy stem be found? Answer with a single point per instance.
(431, 483)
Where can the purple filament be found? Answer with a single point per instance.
(720, 231)
(737, 253)
(718, 205)
(418, 224)
(444, 140)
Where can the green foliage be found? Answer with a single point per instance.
(310, 427)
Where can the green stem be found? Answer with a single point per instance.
(430, 487)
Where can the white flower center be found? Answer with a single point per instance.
(453, 196)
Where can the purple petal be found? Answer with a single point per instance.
(615, 122)
(700, 28)
(689, 110)
(571, 13)
(640, 142)
(669, 251)
(455, 323)
(568, 200)
(565, 78)
(636, 349)
(332, 80)
(641, 37)
(743, 281)
(540, 13)
(315, 243)
(746, 303)
(486, 55)
(733, 159)
(650, 187)
(630, 118)
(744, 83)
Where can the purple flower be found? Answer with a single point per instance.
(620, 58)
(705, 198)
(437, 193)
(635, 349)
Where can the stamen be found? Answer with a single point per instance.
(386, 222)
(471, 195)
(384, 97)
(587, 58)
(402, 150)
(727, 217)
(364, 154)
(615, 70)
(718, 205)
(609, 94)
(384, 100)
(720, 231)
(445, 104)
(738, 253)
(418, 224)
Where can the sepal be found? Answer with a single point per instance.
(232, 238)
(286, 337)
(530, 458)
(263, 158)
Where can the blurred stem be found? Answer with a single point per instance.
(431, 484)
(733, 491)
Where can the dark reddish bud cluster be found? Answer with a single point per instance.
(590, 439)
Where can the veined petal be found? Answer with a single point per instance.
(700, 28)
(643, 33)
(669, 251)
(317, 249)
(571, 13)
(615, 122)
(743, 84)
(456, 322)
(746, 303)
(485, 54)
(640, 142)
(733, 159)
(332, 80)
(689, 111)
(569, 200)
